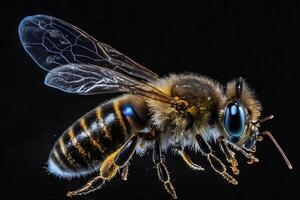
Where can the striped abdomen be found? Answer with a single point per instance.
(83, 146)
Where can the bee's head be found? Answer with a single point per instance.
(240, 114)
(240, 118)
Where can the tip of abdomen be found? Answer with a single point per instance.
(58, 170)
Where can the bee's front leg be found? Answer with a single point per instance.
(250, 156)
(214, 161)
(230, 155)
(162, 171)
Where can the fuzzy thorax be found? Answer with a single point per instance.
(202, 94)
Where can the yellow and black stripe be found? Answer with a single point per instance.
(96, 135)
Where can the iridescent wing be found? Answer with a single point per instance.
(91, 79)
(52, 42)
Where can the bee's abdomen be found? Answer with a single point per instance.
(83, 146)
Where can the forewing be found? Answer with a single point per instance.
(52, 42)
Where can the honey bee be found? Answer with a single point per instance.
(175, 113)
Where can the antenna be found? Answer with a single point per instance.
(263, 120)
(239, 87)
(279, 148)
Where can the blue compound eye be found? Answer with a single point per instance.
(235, 119)
(250, 142)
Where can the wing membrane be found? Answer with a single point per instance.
(52, 42)
(90, 79)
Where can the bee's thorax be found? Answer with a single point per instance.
(203, 96)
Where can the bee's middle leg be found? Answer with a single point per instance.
(187, 159)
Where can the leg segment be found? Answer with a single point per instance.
(162, 171)
(109, 168)
(250, 156)
(230, 156)
(126, 152)
(93, 184)
(125, 172)
(214, 161)
(187, 159)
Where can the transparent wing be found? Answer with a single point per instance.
(52, 42)
(90, 79)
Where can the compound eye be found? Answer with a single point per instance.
(235, 119)
(250, 142)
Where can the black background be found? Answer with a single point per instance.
(259, 41)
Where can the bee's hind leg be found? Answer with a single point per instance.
(214, 161)
(123, 157)
(162, 171)
(126, 152)
(92, 185)
(109, 168)
(125, 172)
